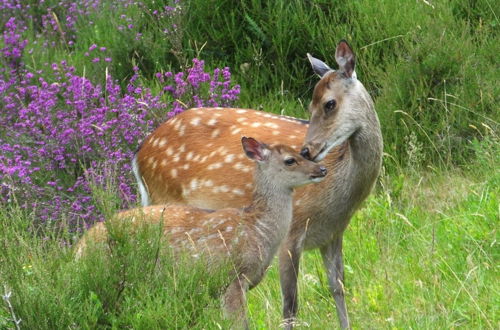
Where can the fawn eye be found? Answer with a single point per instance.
(330, 105)
(290, 161)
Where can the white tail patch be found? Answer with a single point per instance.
(143, 192)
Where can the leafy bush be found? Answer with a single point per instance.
(140, 285)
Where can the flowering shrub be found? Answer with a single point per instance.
(61, 132)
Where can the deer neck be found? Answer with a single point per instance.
(359, 164)
(271, 207)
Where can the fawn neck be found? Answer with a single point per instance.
(271, 204)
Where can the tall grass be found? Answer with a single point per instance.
(134, 282)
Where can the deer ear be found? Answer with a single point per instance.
(345, 59)
(319, 67)
(254, 149)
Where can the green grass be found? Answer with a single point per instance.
(135, 282)
(422, 254)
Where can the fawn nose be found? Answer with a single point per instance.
(323, 170)
(305, 153)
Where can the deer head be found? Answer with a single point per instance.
(338, 99)
(282, 164)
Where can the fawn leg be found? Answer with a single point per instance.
(332, 259)
(289, 258)
(234, 303)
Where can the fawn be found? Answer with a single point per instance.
(173, 165)
(250, 235)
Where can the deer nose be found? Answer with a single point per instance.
(323, 170)
(305, 153)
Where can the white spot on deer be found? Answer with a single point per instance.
(241, 167)
(163, 162)
(182, 130)
(194, 184)
(177, 125)
(189, 156)
(241, 111)
(162, 142)
(173, 173)
(271, 125)
(208, 183)
(241, 119)
(248, 185)
(236, 131)
(154, 142)
(195, 121)
(276, 132)
(204, 159)
(185, 166)
(229, 228)
(153, 166)
(150, 160)
(212, 122)
(229, 158)
(217, 114)
(196, 158)
(237, 191)
(241, 156)
(215, 133)
(224, 189)
(176, 158)
(170, 151)
(182, 148)
(222, 150)
(173, 121)
(256, 124)
(214, 166)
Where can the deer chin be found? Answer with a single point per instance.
(327, 147)
(317, 178)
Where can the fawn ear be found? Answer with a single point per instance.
(345, 59)
(254, 149)
(319, 67)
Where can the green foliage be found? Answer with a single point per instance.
(134, 282)
(431, 66)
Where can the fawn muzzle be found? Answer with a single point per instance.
(319, 173)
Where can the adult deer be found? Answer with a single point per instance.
(172, 165)
(250, 235)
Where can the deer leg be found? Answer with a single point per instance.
(332, 259)
(234, 303)
(289, 258)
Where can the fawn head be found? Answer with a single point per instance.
(334, 104)
(282, 164)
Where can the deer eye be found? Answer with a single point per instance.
(330, 105)
(290, 161)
